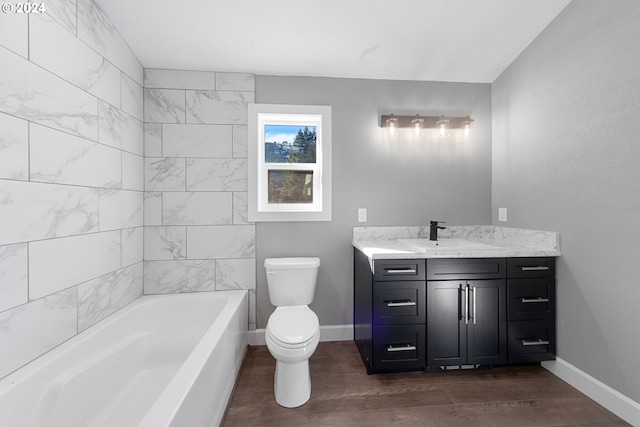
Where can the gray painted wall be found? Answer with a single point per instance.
(405, 181)
(566, 158)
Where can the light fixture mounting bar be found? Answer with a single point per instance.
(428, 122)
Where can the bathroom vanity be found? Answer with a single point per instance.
(480, 296)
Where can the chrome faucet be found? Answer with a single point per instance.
(433, 229)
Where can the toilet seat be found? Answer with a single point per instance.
(293, 327)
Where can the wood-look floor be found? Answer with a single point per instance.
(342, 394)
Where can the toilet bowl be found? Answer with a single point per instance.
(293, 330)
(292, 335)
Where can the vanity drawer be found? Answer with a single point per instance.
(399, 347)
(390, 270)
(531, 299)
(399, 302)
(531, 341)
(531, 267)
(466, 268)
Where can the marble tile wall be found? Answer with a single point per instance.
(72, 178)
(196, 234)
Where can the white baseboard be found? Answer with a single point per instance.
(614, 401)
(327, 333)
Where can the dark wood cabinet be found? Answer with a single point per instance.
(415, 314)
(466, 318)
(531, 301)
(389, 313)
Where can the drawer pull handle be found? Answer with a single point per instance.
(403, 271)
(535, 342)
(406, 303)
(530, 300)
(404, 347)
(536, 268)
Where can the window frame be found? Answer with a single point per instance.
(261, 115)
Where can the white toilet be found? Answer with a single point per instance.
(293, 330)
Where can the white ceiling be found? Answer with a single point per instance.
(436, 40)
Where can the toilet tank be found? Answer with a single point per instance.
(291, 281)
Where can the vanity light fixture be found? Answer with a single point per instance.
(419, 123)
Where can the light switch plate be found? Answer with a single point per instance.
(362, 214)
(502, 214)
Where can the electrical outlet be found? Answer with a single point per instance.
(502, 214)
(362, 214)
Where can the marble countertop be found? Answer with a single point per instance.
(497, 242)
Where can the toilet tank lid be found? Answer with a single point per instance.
(291, 263)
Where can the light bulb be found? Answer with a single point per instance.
(417, 124)
(442, 124)
(466, 123)
(392, 123)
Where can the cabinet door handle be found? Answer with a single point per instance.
(474, 305)
(403, 347)
(536, 268)
(403, 271)
(405, 303)
(531, 300)
(535, 342)
(466, 305)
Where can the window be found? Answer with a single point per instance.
(289, 162)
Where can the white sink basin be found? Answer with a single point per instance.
(424, 245)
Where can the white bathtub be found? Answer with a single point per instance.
(164, 360)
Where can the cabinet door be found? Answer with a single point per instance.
(446, 327)
(398, 269)
(531, 267)
(531, 299)
(466, 268)
(398, 347)
(487, 329)
(532, 341)
(396, 303)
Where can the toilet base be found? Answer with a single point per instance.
(292, 383)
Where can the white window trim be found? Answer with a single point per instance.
(316, 115)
